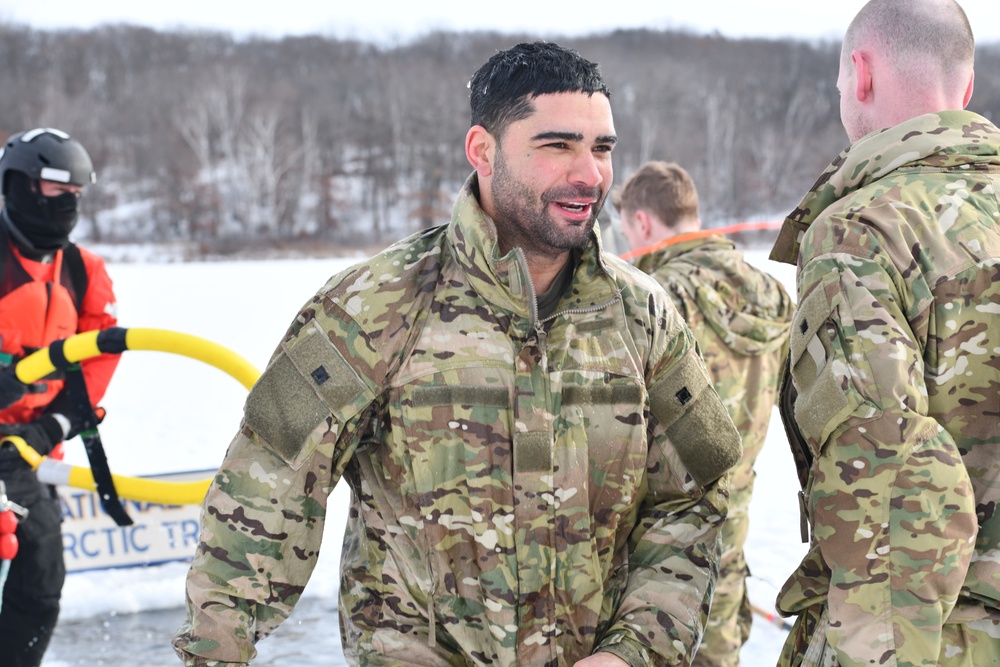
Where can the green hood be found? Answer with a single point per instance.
(748, 309)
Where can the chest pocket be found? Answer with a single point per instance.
(455, 435)
(600, 428)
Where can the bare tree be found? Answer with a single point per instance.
(204, 138)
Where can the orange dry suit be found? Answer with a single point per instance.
(44, 302)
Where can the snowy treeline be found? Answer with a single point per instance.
(201, 137)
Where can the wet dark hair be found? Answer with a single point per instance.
(502, 89)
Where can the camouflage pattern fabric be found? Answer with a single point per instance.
(524, 492)
(895, 396)
(739, 316)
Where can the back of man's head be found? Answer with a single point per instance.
(502, 89)
(927, 43)
(664, 189)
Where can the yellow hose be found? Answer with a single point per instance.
(133, 488)
(186, 345)
(145, 490)
(86, 345)
(38, 364)
(27, 452)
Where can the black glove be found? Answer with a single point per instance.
(11, 389)
(70, 413)
(42, 434)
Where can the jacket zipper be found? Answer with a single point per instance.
(541, 336)
(534, 323)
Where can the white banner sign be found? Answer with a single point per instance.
(159, 534)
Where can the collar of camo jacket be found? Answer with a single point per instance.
(942, 140)
(504, 281)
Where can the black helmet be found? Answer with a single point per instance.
(46, 154)
(37, 222)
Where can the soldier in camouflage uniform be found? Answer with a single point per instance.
(739, 316)
(895, 358)
(535, 452)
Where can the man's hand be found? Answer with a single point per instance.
(602, 659)
(11, 389)
(71, 414)
(42, 434)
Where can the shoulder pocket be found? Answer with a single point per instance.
(820, 373)
(307, 384)
(695, 420)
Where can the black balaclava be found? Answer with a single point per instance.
(44, 222)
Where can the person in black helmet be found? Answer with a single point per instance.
(50, 289)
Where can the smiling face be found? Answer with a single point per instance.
(551, 174)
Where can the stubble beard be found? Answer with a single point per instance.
(523, 220)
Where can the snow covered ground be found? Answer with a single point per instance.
(168, 413)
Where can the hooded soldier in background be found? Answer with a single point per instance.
(50, 289)
(894, 390)
(739, 316)
(536, 456)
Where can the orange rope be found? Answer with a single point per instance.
(702, 233)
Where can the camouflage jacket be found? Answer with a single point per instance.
(740, 317)
(895, 358)
(523, 492)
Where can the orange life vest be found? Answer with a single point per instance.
(39, 304)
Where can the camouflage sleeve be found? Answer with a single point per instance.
(674, 545)
(262, 520)
(890, 501)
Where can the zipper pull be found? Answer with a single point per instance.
(542, 337)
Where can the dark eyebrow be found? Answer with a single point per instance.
(565, 136)
(572, 136)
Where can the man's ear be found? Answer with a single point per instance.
(643, 224)
(863, 75)
(480, 149)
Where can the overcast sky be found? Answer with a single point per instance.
(404, 19)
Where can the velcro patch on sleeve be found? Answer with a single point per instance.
(305, 384)
(670, 397)
(706, 440)
(328, 372)
(696, 421)
(822, 402)
(283, 409)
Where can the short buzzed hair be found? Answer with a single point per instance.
(664, 189)
(914, 34)
(502, 89)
